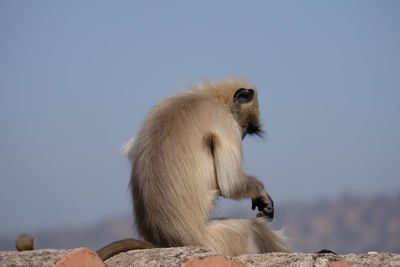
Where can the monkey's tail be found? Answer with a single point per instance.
(120, 246)
(243, 236)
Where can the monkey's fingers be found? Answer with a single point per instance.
(269, 205)
(266, 206)
(262, 214)
(265, 202)
(268, 213)
(258, 202)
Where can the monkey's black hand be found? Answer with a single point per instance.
(265, 205)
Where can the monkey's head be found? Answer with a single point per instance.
(240, 96)
(245, 110)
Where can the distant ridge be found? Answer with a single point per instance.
(345, 225)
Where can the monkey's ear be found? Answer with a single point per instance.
(243, 95)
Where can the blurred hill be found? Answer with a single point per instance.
(92, 236)
(345, 225)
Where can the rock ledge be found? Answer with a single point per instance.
(189, 257)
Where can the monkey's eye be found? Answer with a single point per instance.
(243, 95)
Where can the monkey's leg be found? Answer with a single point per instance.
(242, 236)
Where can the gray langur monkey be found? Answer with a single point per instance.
(187, 154)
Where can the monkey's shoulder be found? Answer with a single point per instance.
(186, 117)
(192, 106)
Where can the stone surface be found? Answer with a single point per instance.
(191, 257)
(220, 261)
(341, 263)
(182, 255)
(32, 258)
(288, 259)
(378, 259)
(80, 257)
(319, 260)
(159, 257)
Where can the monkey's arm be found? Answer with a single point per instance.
(233, 182)
(263, 201)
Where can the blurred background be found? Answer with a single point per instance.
(77, 79)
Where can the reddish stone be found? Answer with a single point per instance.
(341, 263)
(219, 261)
(80, 257)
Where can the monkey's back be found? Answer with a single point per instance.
(173, 179)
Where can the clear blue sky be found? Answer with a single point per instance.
(78, 77)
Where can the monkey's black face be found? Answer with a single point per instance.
(254, 129)
(246, 112)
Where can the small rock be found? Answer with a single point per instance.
(219, 261)
(341, 263)
(81, 257)
(24, 242)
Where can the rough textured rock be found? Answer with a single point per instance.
(220, 261)
(182, 255)
(32, 258)
(319, 260)
(289, 259)
(378, 259)
(160, 257)
(81, 257)
(191, 257)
